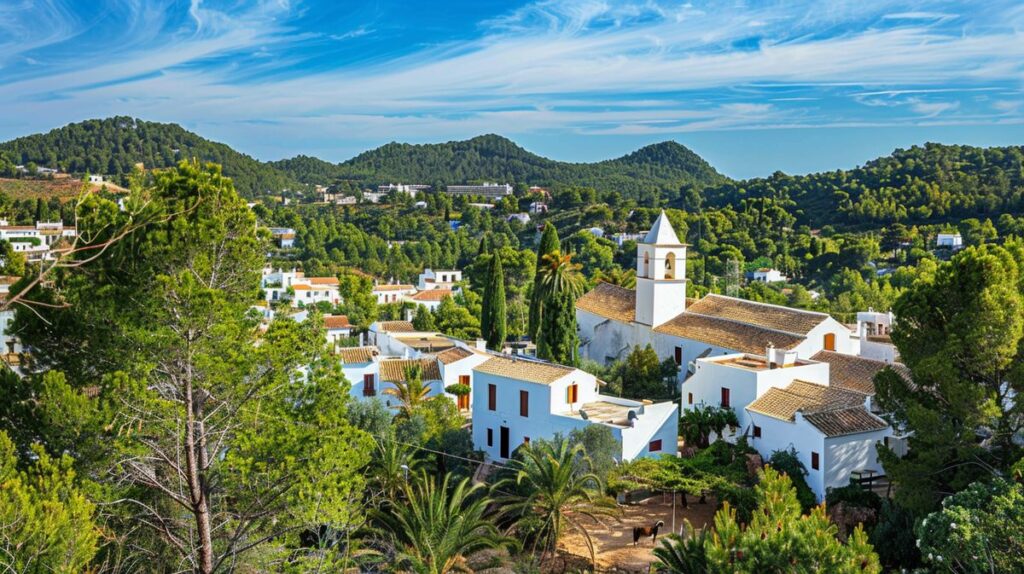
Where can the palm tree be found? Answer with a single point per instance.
(391, 468)
(555, 490)
(618, 276)
(558, 274)
(682, 555)
(411, 393)
(439, 526)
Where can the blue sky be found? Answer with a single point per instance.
(752, 86)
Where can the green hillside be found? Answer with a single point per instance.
(113, 146)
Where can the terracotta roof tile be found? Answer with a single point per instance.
(396, 326)
(524, 369)
(357, 355)
(432, 295)
(393, 370)
(855, 373)
(454, 354)
(336, 322)
(727, 334)
(763, 315)
(393, 287)
(323, 280)
(845, 421)
(783, 403)
(427, 343)
(609, 301)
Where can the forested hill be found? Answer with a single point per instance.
(660, 167)
(930, 183)
(113, 146)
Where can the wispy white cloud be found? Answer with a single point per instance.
(576, 66)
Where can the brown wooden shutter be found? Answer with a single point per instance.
(492, 397)
(524, 403)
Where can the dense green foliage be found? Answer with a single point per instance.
(960, 334)
(933, 182)
(493, 315)
(977, 530)
(663, 167)
(113, 146)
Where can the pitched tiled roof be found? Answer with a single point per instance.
(845, 421)
(806, 397)
(763, 315)
(396, 326)
(336, 322)
(427, 343)
(323, 280)
(855, 373)
(610, 301)
(454, 354)
(524, 369)
(727, 334)
(393, 287)
(357, 355)
(393, 370)
(432, 295)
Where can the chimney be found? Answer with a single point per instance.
(769, 355)
(481, 345)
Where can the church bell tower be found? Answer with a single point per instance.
(660, 274)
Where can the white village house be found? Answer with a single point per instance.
(37, 242)
(438, 279)
(392, 292)
(516, 400)
(821, 407)
(300, 290)
(613, 320)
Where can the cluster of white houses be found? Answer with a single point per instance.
(38, 242)
(796, 379)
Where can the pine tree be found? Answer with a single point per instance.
(494, 303)
(549, 243)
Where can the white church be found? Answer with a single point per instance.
(613, 320)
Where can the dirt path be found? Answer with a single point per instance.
(614, 545)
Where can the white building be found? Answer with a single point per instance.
(338, 328)
(300, 290)
(538, 207)
(595, 231)
(821, 407)
(411, 189)
(488, 190)
(456, 365)
(874, 329)
(523, 218)
(620, 238)
(401, 339)
(766, 275)
(515, 400)
(10, 345)
(95, 178)
(949, 240)
(283, 236)
(613, 320)
(392, 292)
(431, 298)
(439, 279)
(38, 242)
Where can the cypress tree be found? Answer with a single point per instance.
(494, 300)
(557, 340)
(549, 243)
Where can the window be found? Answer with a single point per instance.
(757, 431)
(572, 393)
(689, 398)
(490, 437)
(679, 355)
(830, 341)
(725, 398)
(524, 403)
(368, 388)
(492, 397)
(670, 266)
(815, 462)
(464, 380)
(463, 402)
(654, 446)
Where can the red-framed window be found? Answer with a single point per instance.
(815, 461)
(492, 397)
(524, 403)
(654, 446)
(725, 398)
(368, 387)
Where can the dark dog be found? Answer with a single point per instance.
(645, 531)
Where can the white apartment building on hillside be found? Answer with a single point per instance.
(300, 290)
